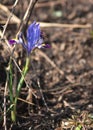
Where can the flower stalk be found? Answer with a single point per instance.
(19, 86)
(34, 39)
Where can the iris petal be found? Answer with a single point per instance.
(34, 38)
(47, 46)
(33, 35)
(12, 42)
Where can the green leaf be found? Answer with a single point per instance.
(78, 127)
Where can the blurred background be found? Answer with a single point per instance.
(65, 70)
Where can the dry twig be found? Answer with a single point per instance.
(8, 20)
(46, 25)
(14, 19)
(5, 93)
(25, 20)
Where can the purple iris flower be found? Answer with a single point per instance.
(34, 38)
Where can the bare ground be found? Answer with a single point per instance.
(65, 71)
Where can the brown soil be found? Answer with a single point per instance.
(65, 71)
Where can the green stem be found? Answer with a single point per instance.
(24, 72)
(9, 72)
(10, 77)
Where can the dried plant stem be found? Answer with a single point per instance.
(42, 95)
(8, 20)
(23, 21)
(26, 101)
(14, 19)
(29, 14)
(48, 25)
(5, 93)
(26, 17)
